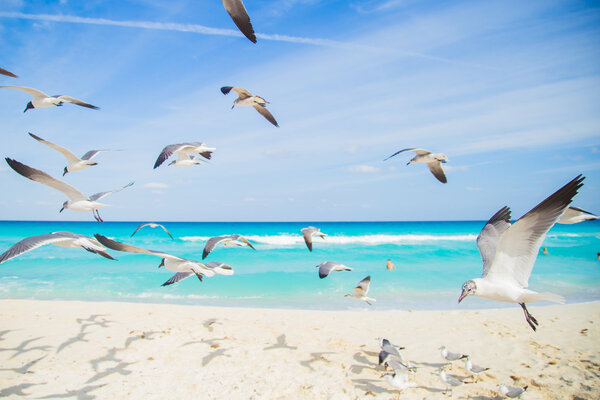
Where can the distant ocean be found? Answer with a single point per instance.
(432, 261)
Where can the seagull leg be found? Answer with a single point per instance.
(94, 214)
(529, 318)
(99, 217)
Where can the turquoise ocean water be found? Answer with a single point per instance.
(432, 261)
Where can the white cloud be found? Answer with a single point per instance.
(364, 169)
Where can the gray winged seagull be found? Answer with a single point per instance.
(7, 73)
(511, 391)
(239, 15)
(41, 99)
(182, 267)
(183, 151)
(361, 290)
(62, 239)
(399, 378)
(152, 225)
(450, 356)
(326, 267)
(390, 351)
(473, 369)
(308, 233)
(245, 98)
(449, 380)
(74, 163)
(509, 252)
(225, 240)
(433, 161)
(77, 200)
(575, 215)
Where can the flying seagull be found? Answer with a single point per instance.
(449, 356)
(182, 267)
(399, 379)
(512, 392)
(308, 233)
(509, 252)
(77, 200)
(239, 15)
(474, 370)
(245, 98)
(183, 151)
(574, 215)
(433, 161)
(152, 225)
(41, 99)
(74, 163)
(389, 351)
(62, 238)
(226, 240)
(326, 267)
(361, 290)
(7, 73)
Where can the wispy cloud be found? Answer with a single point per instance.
(364, 169)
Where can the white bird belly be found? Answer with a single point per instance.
(45, 102)
(85, 205)
(249, 101)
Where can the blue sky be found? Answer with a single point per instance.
(508, 90)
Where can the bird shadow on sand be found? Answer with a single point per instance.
(17, 390)
(211, 342)
(486, 398)
(118, 369)
(364, 363)
(22, 348)
(281, 344)
(24, 369)
(211, 356)
(79, 394)
(370, 385)
(431, 365)
(80, 337)
(316, 357)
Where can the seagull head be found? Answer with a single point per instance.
(29, 105)
(65, 205)
(468, 289)
(65, 171)
(442, 158)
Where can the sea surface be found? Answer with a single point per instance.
(432, 259)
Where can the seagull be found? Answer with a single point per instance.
(309, 232)
(182, 267)
(575, 215)
(361, 290)
(474, 370)
(326, 267)
(74, 163)
(41, 99)
(399, 379)
(389, 350)
(226, 240)
(509, 252)
(449, 380)
(433, 161)
(512, 392)
(152, 225)
(7, 73)
(62, 239)
(239, 15)
(245, 98)
(183, 151)
(77, 200)
(449, 356)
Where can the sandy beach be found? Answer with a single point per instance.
(87, 350)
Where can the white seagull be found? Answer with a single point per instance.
(308, 233)
(7, 73)
(74, 163)
(509, 252)
(388, 351)
(449, 356)
(41, 99)
(512, 392)
(399, 379)
(575, 215)
(62, 238)
(245, 98)
(77, 200)
(183, 151)
(226, 240)
(474, 370)
(152, 225)
(433, 161)
(449, 380)
(182, 267)
(326, 267)
(361, 290)
(239, 15)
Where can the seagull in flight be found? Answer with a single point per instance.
(77, 200)
(239, 15)
(433, 161)
(509, 252)
(41, 99)
(245, 98)
(399, 378)
(326, 267)
(361, 291)
(62, 239)
(7, 73)
(183, 151)
(575, 215)
(152, 225)
(308, 233)
(74, 163)
(226, 240)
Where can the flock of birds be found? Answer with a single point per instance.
(508, 250)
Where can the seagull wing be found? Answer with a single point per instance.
(166, 231)
(242, 93)
(168, 152)
(307, 234)
(78, 102)
(37, 94)
(436, 169)
(140, 226)
(91, 154)
(219, 267)
(5, 72)
(178, 277)
(245, 241)
(489, 235)
(211, 243)
(578, 210)
(518, 246)
(239, 15)
(398, 152)
(44, 178)
(262, 110)
(66, 153)
(113, 244)
(33, 242)
(363, 287)
(98, 196)
(325, 268)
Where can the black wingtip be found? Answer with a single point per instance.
(226, 89)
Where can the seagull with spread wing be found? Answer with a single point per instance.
(152, 225)
(183, 151)
(239, 15)
(308, 233)
(41, 99)
(575, 215)
(361, 290)
(7, 73)
(245, 98)
(225, 240)
(326, 267)
(433, 161)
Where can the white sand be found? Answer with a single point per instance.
(87, 350)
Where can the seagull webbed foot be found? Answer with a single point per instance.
(529, 318)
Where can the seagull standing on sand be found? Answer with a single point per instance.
(226, 240)
(308, 233)
(361, 291)
(575, 215)
(512, 392)
(5, 72)
(449, 380)
(388, 351)
(245, 98)
(239, 15)
(433, 161)
(183, 151)
(77, 200)
(41, 99)
(449, 356)
(326, 267)
(62, 238)
(152, 225)
(74, 163)
(509, 252)
(474, 370)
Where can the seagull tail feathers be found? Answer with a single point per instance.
(547, 296)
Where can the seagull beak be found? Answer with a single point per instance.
(463, 295)
(61, 210)
(444, 161)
